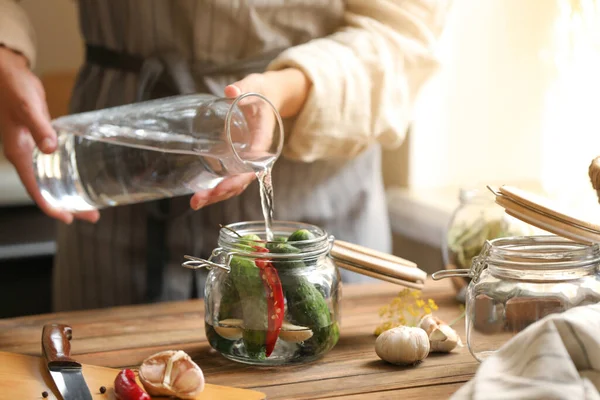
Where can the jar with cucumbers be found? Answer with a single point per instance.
(272, 302)
(476, 220)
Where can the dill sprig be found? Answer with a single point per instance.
(407, 309)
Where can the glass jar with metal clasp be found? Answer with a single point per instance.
(516, 281)
(278, 302)
(476, 220)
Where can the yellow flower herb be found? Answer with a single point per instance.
(407, 308)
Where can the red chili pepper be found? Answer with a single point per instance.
(275, 303)
(126, 388)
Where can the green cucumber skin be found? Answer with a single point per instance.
(300, 235)
(251, 240)
(282, 248)
(323, 339)
(229, 307)
(254, 342)
(305, 302)
(247, 281)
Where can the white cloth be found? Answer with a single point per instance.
(558, 357)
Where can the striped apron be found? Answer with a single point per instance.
(110, 263)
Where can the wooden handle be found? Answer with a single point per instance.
(374, 253)
(56, 344)
(375, 263)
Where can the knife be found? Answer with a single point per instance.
(65, 372)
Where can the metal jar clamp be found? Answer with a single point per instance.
(477, 266)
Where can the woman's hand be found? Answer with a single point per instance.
(25, 123)
(287, 90)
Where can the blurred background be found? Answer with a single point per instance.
(514, 103)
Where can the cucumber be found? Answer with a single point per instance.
(323, 339)
(300, 235)
(276, 242)
(283, 248)
(247, 281)
(306, 304)
(252, 240)
(229, 306)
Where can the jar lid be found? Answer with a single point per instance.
(376, 264)
(544, 214)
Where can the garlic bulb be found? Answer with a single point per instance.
(171, 373)
(442, 337)
(402, 345)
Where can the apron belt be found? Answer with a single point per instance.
(163, 74)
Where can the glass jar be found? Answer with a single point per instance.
(516, 281)
(241, 300)
(476, 220)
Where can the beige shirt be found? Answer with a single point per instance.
(365, 76)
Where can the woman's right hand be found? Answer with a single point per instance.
(25, 123)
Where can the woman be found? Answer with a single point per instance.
(343, 74)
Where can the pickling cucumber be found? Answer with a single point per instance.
(306, 304)
(229, 307)
(282, 248)
(252, 240)
(323, 339)
(300, 235)
(247, 281)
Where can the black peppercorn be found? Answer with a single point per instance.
(44, 394)
(102, 389)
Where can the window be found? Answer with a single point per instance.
(517, 98)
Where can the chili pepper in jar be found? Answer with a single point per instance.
(126, 388)
(274, 292)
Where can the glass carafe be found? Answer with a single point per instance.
(157, 149)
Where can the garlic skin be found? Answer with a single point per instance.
(442, 338)
(171, 373)
(403, 345)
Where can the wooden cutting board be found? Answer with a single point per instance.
(26, 377)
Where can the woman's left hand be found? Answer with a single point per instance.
(287, 90)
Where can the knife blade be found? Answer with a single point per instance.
(66, 372)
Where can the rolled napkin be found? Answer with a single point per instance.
(557, 357)
(594, 173)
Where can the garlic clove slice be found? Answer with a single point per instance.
(294, 333)
(230, 329)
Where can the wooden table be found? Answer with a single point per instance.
(124, 336)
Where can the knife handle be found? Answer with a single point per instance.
(56, 345)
